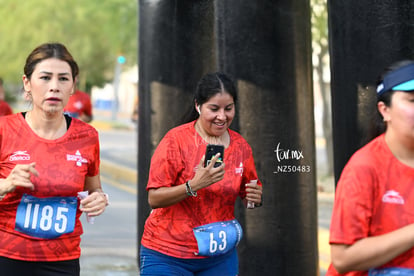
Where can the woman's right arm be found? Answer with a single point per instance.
(18, 177)
(372, 251)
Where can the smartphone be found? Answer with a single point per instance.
(211, 151)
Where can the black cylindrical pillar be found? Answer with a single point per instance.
(266, 46)
(175, 49)
(364, 39)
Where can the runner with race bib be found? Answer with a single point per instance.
(46, 159)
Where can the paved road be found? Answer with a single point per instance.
(119, 146)
(109, 246)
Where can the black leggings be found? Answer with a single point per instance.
(11, 267)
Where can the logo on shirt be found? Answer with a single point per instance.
(239, 169)
(77, 157)
(78, 105)
(19, 156)
(392, 197)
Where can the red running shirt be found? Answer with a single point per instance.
(79, 103)
(170, 230)
(5, 108)
(63, 165)
(374, 196)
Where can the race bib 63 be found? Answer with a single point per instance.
(217, 238)
(46, 218)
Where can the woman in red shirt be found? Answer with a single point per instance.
(5, 108)
(46, 160)
(372, 226)
(192, 228)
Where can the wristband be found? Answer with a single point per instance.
(188, 189)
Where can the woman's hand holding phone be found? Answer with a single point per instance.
(211, 151)
(207, 175)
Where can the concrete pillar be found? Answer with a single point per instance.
(176, 47)
(266, 46)
(364, 39)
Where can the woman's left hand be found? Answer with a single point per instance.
(254, 193)
(94, 204)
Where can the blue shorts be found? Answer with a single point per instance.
(153, 263)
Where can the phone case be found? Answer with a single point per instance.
(211, 151)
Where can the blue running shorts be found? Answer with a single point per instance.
(153, 263)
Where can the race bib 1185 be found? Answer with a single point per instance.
(46, 218)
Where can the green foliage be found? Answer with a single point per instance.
(319, 18)
(94, 31)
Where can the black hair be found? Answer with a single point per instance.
(208, 86)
